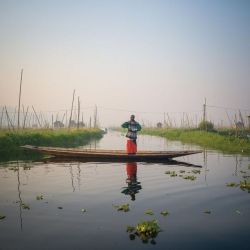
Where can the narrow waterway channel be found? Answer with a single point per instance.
(71, 205)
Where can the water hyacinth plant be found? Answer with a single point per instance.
(122, 207)
(145, 230)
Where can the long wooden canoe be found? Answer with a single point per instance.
(101, 154)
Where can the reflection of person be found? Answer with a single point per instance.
(133, 185)
(132, 126)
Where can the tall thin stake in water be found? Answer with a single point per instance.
(71, 109)
(78, 114)
(19, 101)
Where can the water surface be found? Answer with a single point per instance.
(58, 222)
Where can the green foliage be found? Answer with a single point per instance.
(149, 212)
(145, 230)
(189, 177)
(122, 207)
(206, 125)
(212, 140)
(232, 184)
(10, 142)
(165, 213)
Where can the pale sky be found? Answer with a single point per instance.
(139, 55)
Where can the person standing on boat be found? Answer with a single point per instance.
(133, 127)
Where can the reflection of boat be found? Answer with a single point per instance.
(100, 154)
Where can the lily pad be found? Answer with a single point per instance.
(130, 229)
(165, 213)
(149, 212)
(122, 207)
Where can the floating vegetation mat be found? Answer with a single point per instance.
(244, 185)
(145, 230)
(149, 212)
(122, 207)
(185, 177)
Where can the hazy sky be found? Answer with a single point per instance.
(140, 55)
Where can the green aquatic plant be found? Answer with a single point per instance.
(248, 166)
(207, 212)
(2, 217)
(149, 212)
(195, 171)
(145, 230)
(245, 185)
(165, 213)
(25, 206)
(39, 197)
(122, 207)
(171, 173)
(189, 177)
(232, 184)
(182, 171)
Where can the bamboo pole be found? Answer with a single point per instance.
(25, 117)
(9, 121)
(78, 114)
(1, 123)
(37, 117)
(19, 100)
(71, 109)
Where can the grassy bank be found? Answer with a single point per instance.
(212, 140)
(10, 142)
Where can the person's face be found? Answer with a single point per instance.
(132, 118)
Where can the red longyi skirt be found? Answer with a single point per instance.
(131, 147)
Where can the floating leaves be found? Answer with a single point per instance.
(145, 230)
(232, 184)
(195, 171)
(2, 217)
(207, 212)
(25, 206)
(39, 197)
(122, 207)
(245, 185)
(149, 212)
(165, 213)
(171, 173)
(189, 177)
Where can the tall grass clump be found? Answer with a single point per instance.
(10, 142)
(207, 139)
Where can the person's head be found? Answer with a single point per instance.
(132, 117)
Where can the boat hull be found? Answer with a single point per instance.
(110, 154)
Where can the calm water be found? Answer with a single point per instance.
(96, 187)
